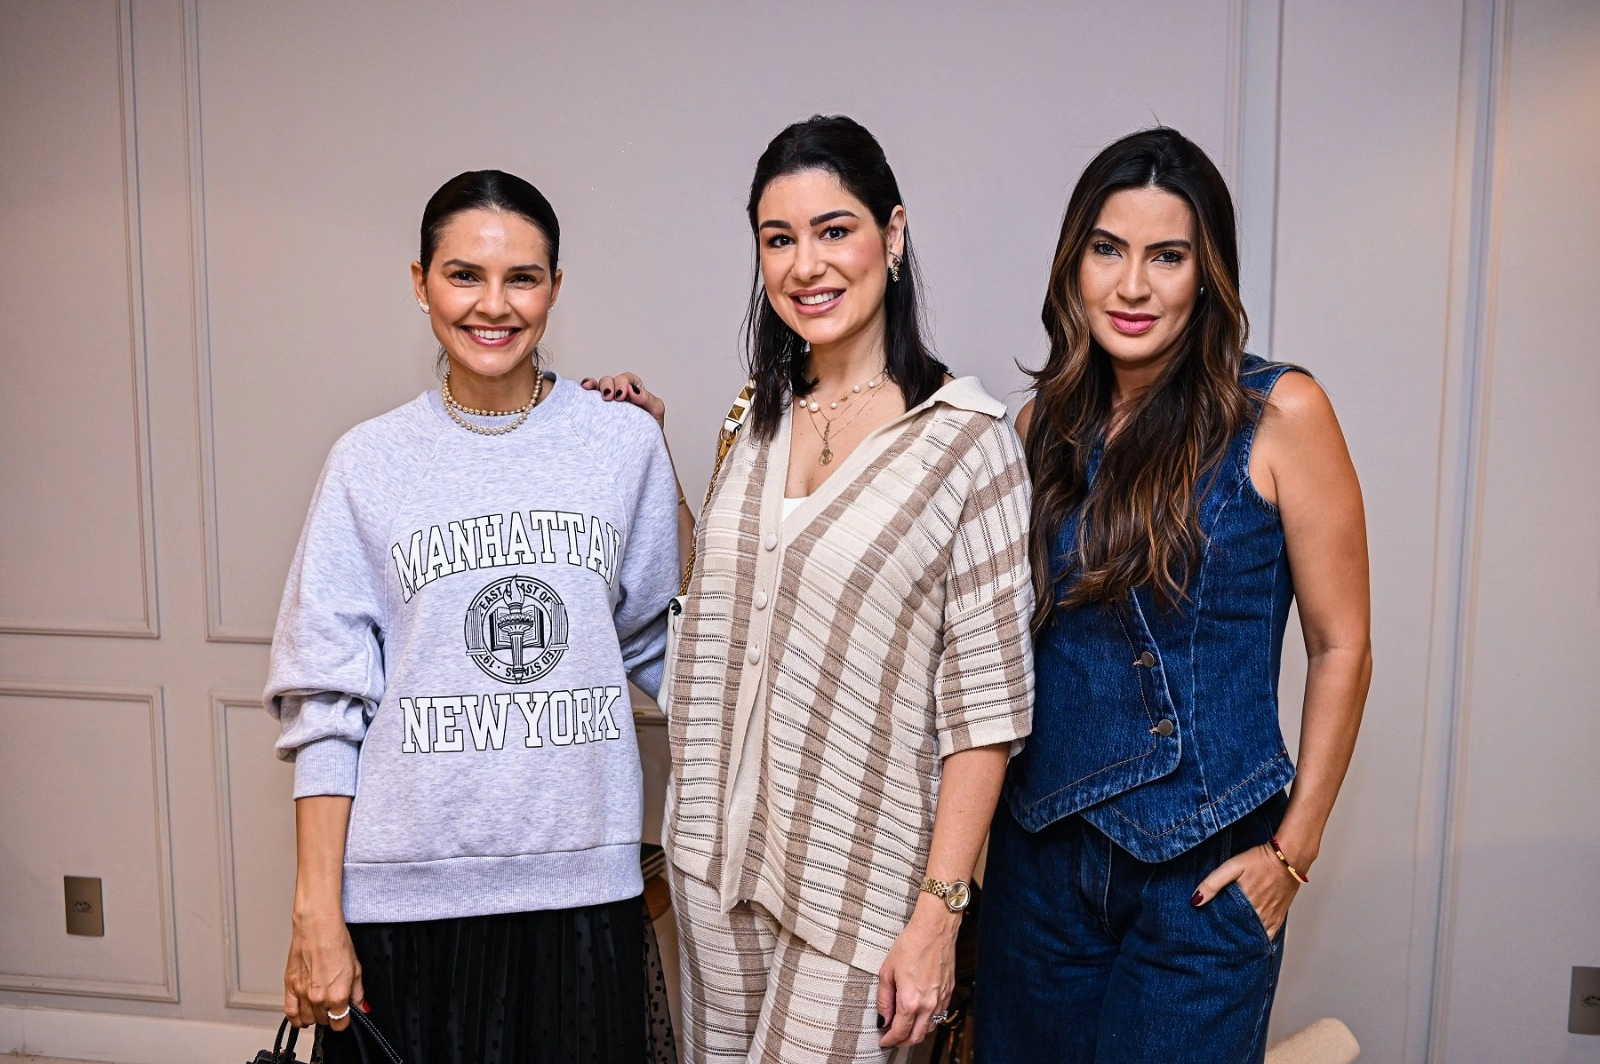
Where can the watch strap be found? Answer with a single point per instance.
(956, 895)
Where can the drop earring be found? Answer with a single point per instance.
(894, 268)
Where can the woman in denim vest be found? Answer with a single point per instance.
(1145, 854)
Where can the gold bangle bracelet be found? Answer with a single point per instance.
(1287, 867)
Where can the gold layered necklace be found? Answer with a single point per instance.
(455, 409)
(814, 409)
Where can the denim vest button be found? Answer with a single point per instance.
(1163, 728)
(1148, 660)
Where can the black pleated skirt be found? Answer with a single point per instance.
(564, 986)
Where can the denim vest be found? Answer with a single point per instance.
(1160, 726)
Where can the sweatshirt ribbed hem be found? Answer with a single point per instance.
(326, 766)
(483, 886)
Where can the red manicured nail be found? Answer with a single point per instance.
(364, 1007)
(1196, 900)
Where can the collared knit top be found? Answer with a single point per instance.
(827, 662)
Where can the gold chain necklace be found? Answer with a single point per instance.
(813, 409)
(455, 409)
(870, 383)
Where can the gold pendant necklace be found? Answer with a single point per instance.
(812, 408)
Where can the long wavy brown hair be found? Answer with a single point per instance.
(1139, 519)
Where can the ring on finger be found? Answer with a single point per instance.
(940, 1016)
(339, 1015)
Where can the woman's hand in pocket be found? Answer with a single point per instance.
(627, 388)
(1267, 885)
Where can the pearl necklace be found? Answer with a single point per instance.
(455, 409)
(873, 382)
(814, 409)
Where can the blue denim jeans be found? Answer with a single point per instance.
(1086, 954)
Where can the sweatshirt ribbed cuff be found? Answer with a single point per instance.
(326, 766)
(647, 678)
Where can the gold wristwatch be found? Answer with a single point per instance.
(956, 896)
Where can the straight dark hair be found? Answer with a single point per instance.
(776, 354)
(1139, 521)
(487, 190)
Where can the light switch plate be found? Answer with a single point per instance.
(84, 913)
(1583, 1015)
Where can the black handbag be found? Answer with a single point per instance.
(370, 1042)
(374, 1048)
(280, 1053)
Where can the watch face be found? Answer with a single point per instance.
(958, 896)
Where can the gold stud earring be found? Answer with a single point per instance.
(894, 268)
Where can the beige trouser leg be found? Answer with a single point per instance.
(755, 994)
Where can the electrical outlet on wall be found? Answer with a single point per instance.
(1583, 1015)
(84, 913)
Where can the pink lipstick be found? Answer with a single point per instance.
(814, 301)
(1130, 324)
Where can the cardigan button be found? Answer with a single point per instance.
(771, 542)
(1147, 659)
(761, 600)
(1163, 728)
(753, 656)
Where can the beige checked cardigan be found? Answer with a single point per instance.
(826, 664)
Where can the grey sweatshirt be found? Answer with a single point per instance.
(459, 625)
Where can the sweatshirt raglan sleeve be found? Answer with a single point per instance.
(326, 677)
(649, 573)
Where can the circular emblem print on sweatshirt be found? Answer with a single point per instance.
(517, 629)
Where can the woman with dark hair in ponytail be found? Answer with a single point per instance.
(482, 572)
(853, 666)
(1145, 854)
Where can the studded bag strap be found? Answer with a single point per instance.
(737, 414)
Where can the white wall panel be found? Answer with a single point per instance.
(83, 792)
(1366, 162)
(323, 130)
(256, 815)
(76, 546)
(1525, 906)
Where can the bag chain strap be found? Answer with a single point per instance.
(730, 429)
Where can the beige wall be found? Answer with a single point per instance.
(208, 210)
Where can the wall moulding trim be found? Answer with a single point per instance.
(1468, 360)
(128, 1039)
(1233, 112)
(217, 629)
(149, 626)
(1252, 159)
(235, 994)
(166, 990)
